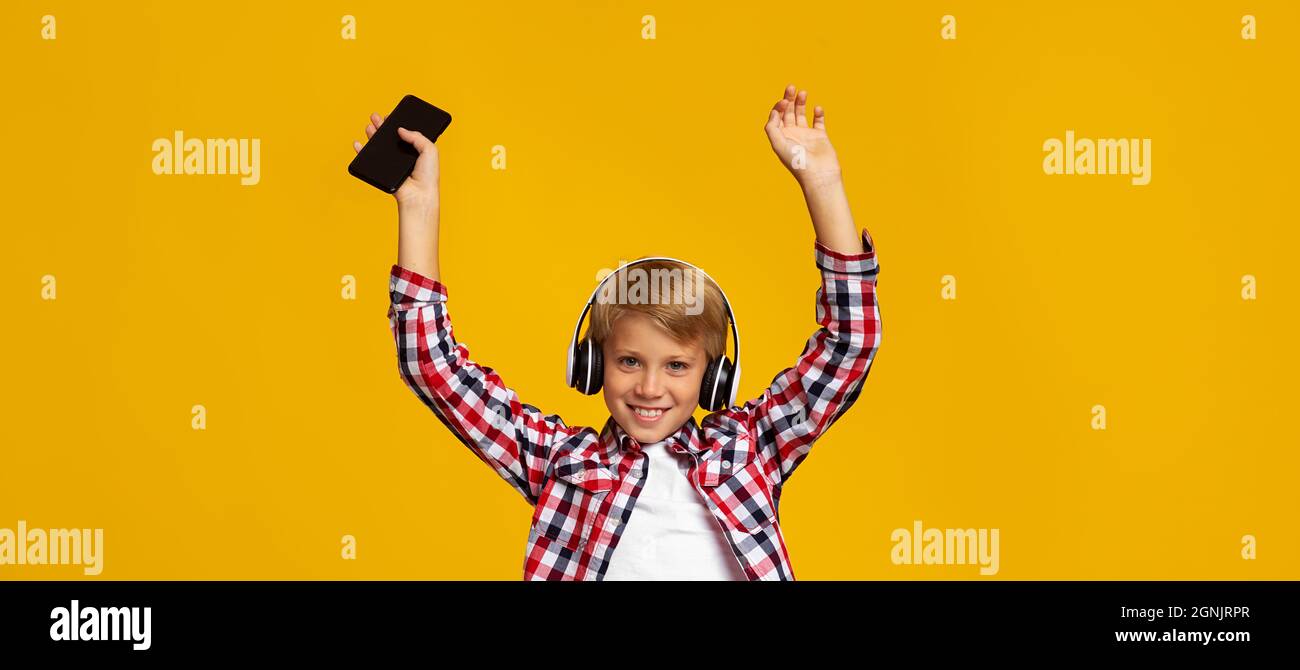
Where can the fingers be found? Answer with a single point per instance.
(787, 114)
(375, 121)
(819, 118)
(780, 111)
(371, 128)
(800, 112)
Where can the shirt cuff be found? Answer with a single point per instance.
(407, 286)
(834, 261)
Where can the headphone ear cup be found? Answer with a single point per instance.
(587, 359)
(715, 388)
(706, 384)
(725, 380)
(597, 370)
(578, 368)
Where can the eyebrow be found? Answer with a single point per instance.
(633, 352)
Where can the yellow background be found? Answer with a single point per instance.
(1072, 290)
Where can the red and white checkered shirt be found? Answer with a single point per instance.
(583, 484)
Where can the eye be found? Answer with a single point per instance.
(683, 368)
(624, 360)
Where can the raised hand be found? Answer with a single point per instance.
(804, 149)
(420, 191)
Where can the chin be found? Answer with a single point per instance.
(649, 435)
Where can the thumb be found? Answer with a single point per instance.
(416, 138)
(773, 129)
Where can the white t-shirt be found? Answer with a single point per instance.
(671, 534)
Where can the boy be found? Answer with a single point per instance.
(652, 495)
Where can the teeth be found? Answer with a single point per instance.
(648, 413)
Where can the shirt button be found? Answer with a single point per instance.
(726, 465)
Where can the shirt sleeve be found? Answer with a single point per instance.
(804, 400)
(512, 437)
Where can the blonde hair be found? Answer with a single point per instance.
(709, 327)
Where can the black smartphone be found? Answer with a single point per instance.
(386, 160)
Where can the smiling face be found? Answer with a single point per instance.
(646, 368)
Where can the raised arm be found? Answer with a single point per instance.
(514, 438)
(417, 204)
(807, 152)
(806, 398)
(472, 401)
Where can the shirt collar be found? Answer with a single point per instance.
(618, 439)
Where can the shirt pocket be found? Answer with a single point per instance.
(735, 479)
(570, 502)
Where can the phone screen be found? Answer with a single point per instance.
(387, 160)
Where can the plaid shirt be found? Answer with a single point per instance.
(583, 484)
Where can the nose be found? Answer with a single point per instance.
(649, 385)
